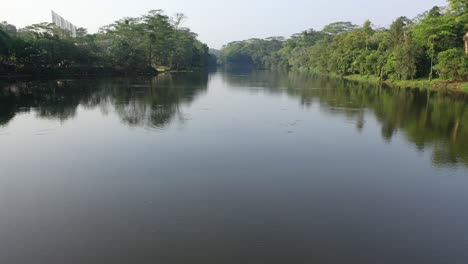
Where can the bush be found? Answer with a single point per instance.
(453, 65)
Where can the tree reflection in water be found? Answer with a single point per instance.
(429, 120)
(139, 101)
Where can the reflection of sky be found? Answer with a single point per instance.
(249, 173)
(220, 22)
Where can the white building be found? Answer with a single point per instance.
(63, 24)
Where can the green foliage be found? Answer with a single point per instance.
(154, 40)
(406, 50)
(254, 53)
(461, 5)
(8, 28)
(453, 65)
(129, 45)
(5, 43)
(338, 27)
(437, 33)
(404, 61)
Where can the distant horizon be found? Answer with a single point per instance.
(220, 23)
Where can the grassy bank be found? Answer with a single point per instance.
(436, 84)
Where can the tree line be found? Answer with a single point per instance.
(129, 45)
(428, 46)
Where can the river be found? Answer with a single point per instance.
(222, 167)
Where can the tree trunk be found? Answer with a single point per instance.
(466, 43)
(432, 67)
(150, 57)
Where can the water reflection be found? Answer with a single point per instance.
(232, 186)
(141, 101)
(429, 119)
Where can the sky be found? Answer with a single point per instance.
(220, 22)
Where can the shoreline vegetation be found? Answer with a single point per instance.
(429, 51)
(436, 84)
(143, 45)
(420, 84)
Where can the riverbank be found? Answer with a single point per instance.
(436, 84)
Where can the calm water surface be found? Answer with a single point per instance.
(231, 168)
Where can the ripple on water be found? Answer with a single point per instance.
(340, 109)
(45, 132)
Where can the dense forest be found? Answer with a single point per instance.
(130, 45)
(428, 46)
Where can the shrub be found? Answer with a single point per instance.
(453, 65)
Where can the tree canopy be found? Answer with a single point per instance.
(428, 46)
(129, 45)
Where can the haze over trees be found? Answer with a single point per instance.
(428, 46)
(256, 53)
(129, 45)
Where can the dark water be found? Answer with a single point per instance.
(231, 168)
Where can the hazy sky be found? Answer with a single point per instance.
(219, 22)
